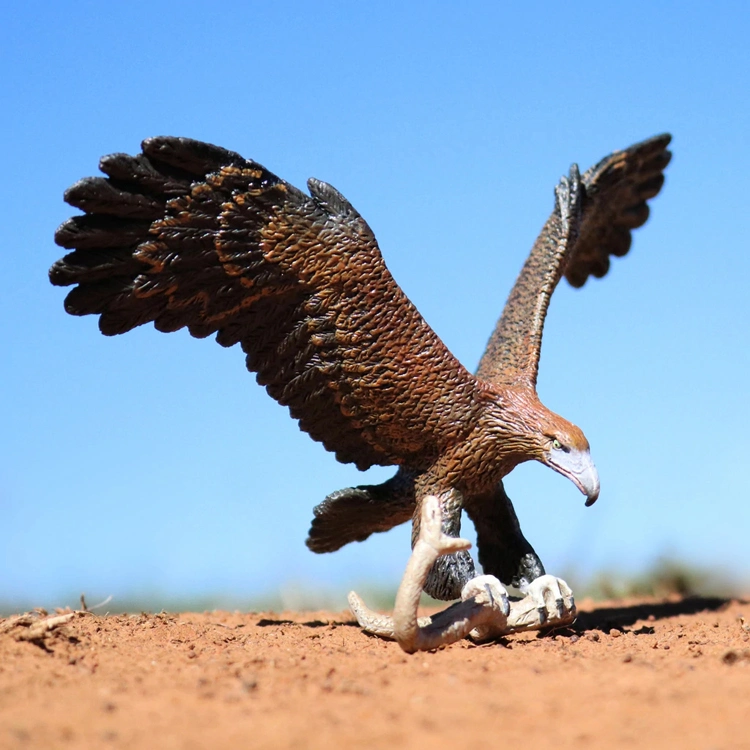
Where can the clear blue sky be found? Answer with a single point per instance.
(153, 464)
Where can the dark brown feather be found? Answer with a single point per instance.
(616, 191)
(191, 235)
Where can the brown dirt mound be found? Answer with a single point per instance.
(635, 675)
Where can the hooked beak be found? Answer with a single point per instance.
(577, 466)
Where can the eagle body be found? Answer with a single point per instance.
(190, 235)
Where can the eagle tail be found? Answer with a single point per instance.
(354, 513)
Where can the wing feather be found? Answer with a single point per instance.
(617, 190)
(190, 235)
(614, 195)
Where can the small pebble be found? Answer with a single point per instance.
(730, 657)
(615, 633)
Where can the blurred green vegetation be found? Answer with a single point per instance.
(666, 576)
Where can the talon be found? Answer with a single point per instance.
(505, 606)
(548, 601)
(489, 594)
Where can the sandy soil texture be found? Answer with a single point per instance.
(636, 675)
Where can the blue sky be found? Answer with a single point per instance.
(153, 465)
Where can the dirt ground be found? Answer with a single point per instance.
(636, 675)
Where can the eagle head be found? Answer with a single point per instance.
(544, 436)
(564, 448)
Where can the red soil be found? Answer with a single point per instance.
(635, 675)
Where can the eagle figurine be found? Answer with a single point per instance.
(187, 234)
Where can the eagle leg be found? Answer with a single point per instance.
(548, 602)
(502, 549)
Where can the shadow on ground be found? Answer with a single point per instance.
(606, 618)
(603, 618)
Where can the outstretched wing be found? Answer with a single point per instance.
(190, 235)
(614, 195)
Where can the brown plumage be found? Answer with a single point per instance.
(190, 235)
(578, 245)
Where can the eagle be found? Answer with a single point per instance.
(190, 235)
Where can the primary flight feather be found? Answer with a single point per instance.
(187, 234)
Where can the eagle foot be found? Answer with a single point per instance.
(553, 602)
(485, 611)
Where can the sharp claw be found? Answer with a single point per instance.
(506, 606)
(552, 601)
(489, 595)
